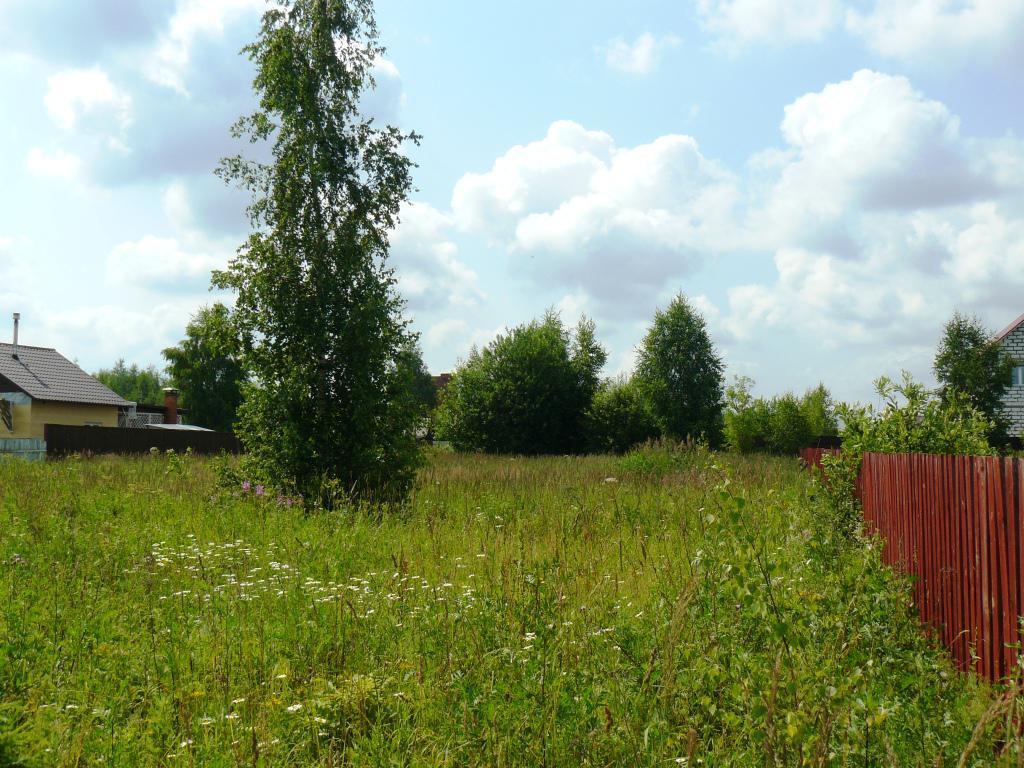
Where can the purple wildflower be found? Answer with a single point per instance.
(246, 486)
(259, 490)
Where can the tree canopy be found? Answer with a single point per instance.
(206, 366)
(969, 361)
(527, 392)
(139, 385)
(782, 424)
(317, 308)
(680, 373)
(619, 417)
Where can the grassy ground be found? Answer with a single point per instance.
(667, 609)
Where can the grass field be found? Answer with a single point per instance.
(672, 608)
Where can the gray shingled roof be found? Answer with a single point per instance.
(45, 374)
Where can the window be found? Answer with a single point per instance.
(1018, 376)
(6, 415)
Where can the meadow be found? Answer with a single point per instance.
(673, 607)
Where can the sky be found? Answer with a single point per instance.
(826, 181)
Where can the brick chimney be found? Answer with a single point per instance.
(170, 405)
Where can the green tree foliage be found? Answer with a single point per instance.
(206, 366)
(139, 385)
(912, 419)
(968, 361)
(317, 308)
(680, 374)
(820, 411)
(780, 425)
(527, 392)
(619, 417)
(416, 378)
(915, 420)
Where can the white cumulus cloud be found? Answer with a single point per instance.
(869, 143)
(430, 274)
(55, 164)
(192, 20)
(936, 30)
(72, 94)
(582, 212)
(164, 265)
(639, 57)
(738, 22)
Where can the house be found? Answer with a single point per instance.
(1011, 339)
(40, 386)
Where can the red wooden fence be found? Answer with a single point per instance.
(956, 524)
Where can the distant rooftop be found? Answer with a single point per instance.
(1010, 328)
(45, 374)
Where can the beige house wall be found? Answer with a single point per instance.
(30, 418)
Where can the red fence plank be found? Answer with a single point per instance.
(956, 525)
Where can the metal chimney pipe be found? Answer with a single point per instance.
(17, 317)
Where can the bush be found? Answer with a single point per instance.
(527, 392)
(619, 418)
(658, 458)
(913, 420)
(781, 425)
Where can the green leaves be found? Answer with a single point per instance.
(207, 367)
(679, 371)
(330, 402)
(970, 364)
(527, 392)
(619, 417)
(781, 425)
(915, 420)
(138, 385)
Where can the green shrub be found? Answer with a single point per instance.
(659, 458)
(912, 420)
(915, 420)
(781, 425)
(619, 418)
(527, 392)
(970, 363)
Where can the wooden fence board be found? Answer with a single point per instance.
(955, 524)
(62, 440)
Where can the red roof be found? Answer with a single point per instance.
(1010, 328)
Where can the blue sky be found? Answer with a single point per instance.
(827, 181)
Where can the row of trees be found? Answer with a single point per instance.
(781, 424)
(326, 368)
(538, 389)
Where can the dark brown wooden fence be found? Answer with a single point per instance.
(62, 440)
(956, 524)
(812, 456)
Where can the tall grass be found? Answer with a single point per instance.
(676, 609)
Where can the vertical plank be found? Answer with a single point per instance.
(957, 623)
(973, 593)
(984, 518)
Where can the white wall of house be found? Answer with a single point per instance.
(1014, 400)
